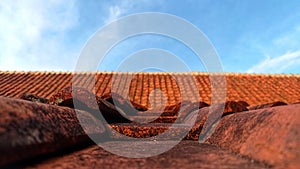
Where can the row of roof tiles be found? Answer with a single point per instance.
(155, 73)
(254, 89)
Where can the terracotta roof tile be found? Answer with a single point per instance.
(255, 89)
(267, 135)
(243, 92)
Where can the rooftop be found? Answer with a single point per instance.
(259, 127)
(255, 89)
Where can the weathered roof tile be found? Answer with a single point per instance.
(255, 89)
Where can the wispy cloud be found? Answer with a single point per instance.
(277, 64)
(125, 7)
(32, 34)
(289, 40)
(280, 51)
(116, 11)
(38, 35)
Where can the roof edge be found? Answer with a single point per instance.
(154, 73)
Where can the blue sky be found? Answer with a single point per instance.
(249, 36)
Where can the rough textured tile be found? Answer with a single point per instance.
(87, 101)
(186, 154)
(153, 119)
(33, 98)
(267, 105)
(234, 107)
(148, 130)
(30, 129)
(271, 135)
(124, 104)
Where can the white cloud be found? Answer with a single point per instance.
(126, 7)
(114, 13)
(281, 52)
(35, 35)
(289, 40)
(32, 34)
(277, 64)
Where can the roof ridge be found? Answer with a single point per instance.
(155, 73)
